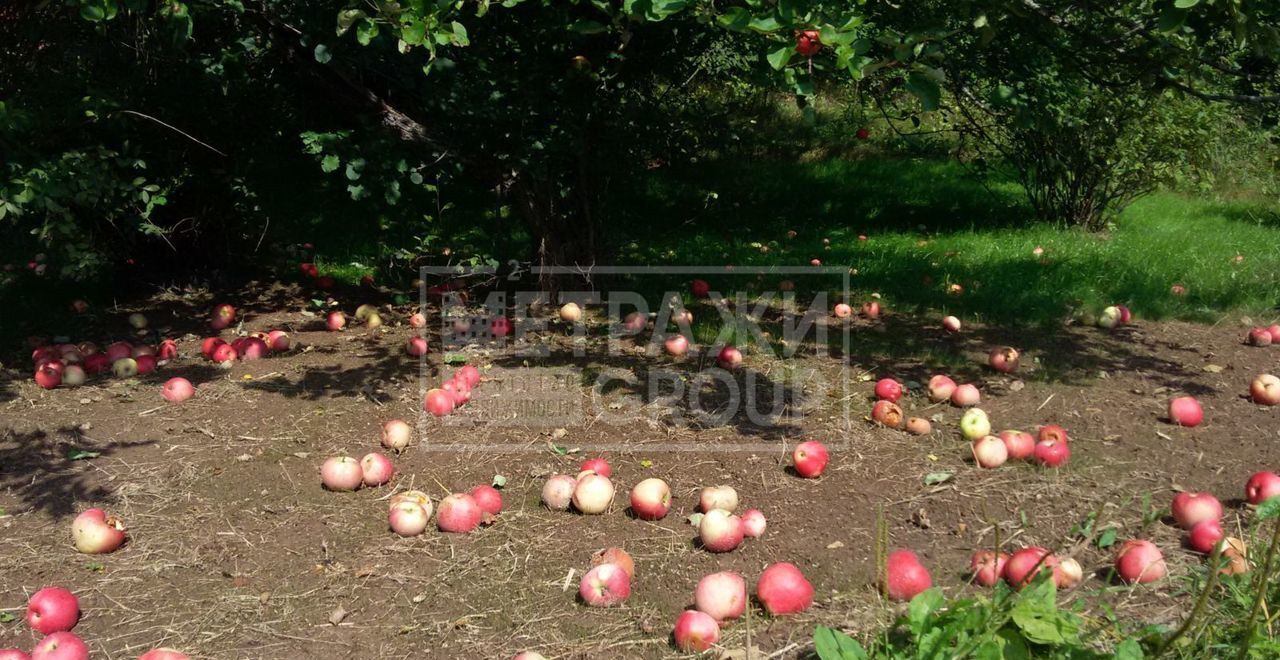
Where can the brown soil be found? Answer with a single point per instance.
(236, 551)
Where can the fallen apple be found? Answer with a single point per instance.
(941, 388)
(1186, 411)
(718, 497)
(341, 473)
(905, 576)
(1025, 564)
(597, 465)
(616, 556)
(557, 492)
(376, 469)
(974, 424)
(965, 395)
(1261, 487)
(871, 310)
(722, 596)
(651, 499)
(989, 452)
(729, 358)
(438, 402)
(951, 324)
(695, 631)
(60, 646)
(888, 389)
(1265, 390)
(1019, 444)
(570, 313)
(753, 523)
(177, 390)
(1259, 337)
(699, 288)
(809, 459)
(459, 514)
(919, 426)
(783, 589)
(95, 533)
(408, 518)
(1052, 453)
(605, 585)
(886, 413)
(487, 498)
(335, 321)
(52, 609)
(593, 494)
(676, 345)
(1140, 562)
(1003, 359)
(720, 531)
(1205, 535)
(987, 566)
(1190, 509)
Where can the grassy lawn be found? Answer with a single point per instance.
(928, 226)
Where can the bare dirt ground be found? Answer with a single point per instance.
(235, 550)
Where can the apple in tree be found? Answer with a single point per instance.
(809, 459)
(52, 609)
(808, 43)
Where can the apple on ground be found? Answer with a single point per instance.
(557, 492)
(720, 531)
(871, 309)
(729, 358)
(60, 646)
(651, 499)
(989, 451)
(1025, 564)
(616, 556)
(1020, 444)
(488, 498)
(919, 426)
(1186, 411)
(1265, 390)
(783, 589)
(842, 311)
(987, 566)
(721, 595)
(1003, 359)
(1259, 337)
(695, 631)
(593, 494)
(52, 609)
(376, 469)
(438, 402)
(940, 388)
(605, 585)
(905, 576)
(886, 413)
(408, 518)
(1205, 535)
(164, 654)
(177, 390)
(570, 312)
(888, 389)
(341, 473)
(94, 532)
(598, 465)
(965, 395)
(718, 497)
(1052, 453)
(458, 513)
(1190, 509)
(974, 424)
(1140, 562)
(951, 324)
(753, 523)
(1261, 487)
(676, 345)
(809, 460)
(396, 435)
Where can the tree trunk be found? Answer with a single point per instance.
(562, 230)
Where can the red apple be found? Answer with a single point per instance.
(145, 364)
(1052, 432)
(753, 523)
(1261, 487)
(278, 340)
(208, 345)
(888, 389)
(1003, 359)
(96, 363)
(60, 646)
(438, 402)
(617, 557)
(651, 499)
(721, 595)
(470, 375)
(396, 435)
(254, 349)
(487, 498)
(1259, 337)
(119, 350)
(1140, 562)
(843, 311)
(597, 465)
(695, 631)
(1025, 564)
(459, 513)
(1205, 535)
(1019, 444)
(177, 390)
(52, 609)
(718, 497)
(676, 345)
(941, 388)
(14, 654)
(1192, 508)
(49, 376)
(809, 458)
(416, 346)
(905, 576)
(919, 426)
(783, 589)
(729, 358)
(605, 585)
(1274, 331)
(699, 288)
(341, 473)
(1052, 453)
(808, 43)
(417, 320)
(376, 469)
(326, 282)
(987, 566)
(224, 354)
(95, 533)
(871, 310)
(951, 324)
(886, 413)
(557, 493)
(965, 395)
(1265, 390)
(164, 654)
(1186, 411)
(335, 321)
(720, 531)
(593, 494)
(223, 316)
(408, 518)
(989, 452)
(500, 326)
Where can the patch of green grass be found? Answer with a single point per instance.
(929, 226)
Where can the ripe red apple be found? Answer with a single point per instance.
(987, 566)
(1052, 453)
(1020, 445)
(783, 589)
(676, 345)
(168, 350)
(207, 346)
(1265, 390)
(863, 133)
(376, 469)
(1274, 331)
(729, 358)
(223, 316)
(1192, 508)
(1140, 562)
(500, 326)
(416, 346)
(49, 376)
(118, 350)
(408, 518)
(557, 493)
(1259, 337)
(459, 513)
(96, 363)
(1186, 411)
(224, 354)
(396, 435)
(60, 646)
(720, 531)
(1261, 487)
(605, 585)
(326, 282)
(699, 288)
(809, 459)
(529, 655)
(887, 413)
(457, 391)
(593, 494)
(718, 497)
(94, 532)
(1025, 564)
(145, 364)
(871, 309)
(470, 375)
(14, 654)
(888, 389)
(164, 654)
(254, 349)
(177, 390)
(695, 631)
(487, 498)
(941, 388)
(753, 523)
(651, 499)
(635, 322)
(721, 595)
(597, 465)
(617, 557)
(1003, 359)
(570, 313)
(335, 321)
(951, 324)
(905, 576)
(965, 395)
(309, 269)
(341, 473)
(1052, 432)
(843, 311)
(815, 262)
(808, 43)
(989, 452)
(52, 609)
(438, 402)
(919, 426)
(1205, 535)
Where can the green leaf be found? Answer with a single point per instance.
(584, 26)
(925, 89)
(1107, 538)
(560, 450)
(735, 18)
(765, 24)
(922, 607)
(834, 645)
(1171, 19)
(366, 31)
(499, 481)
(322, 54)
(330, 163)
(92, 13)
(7, 617)
(460, 37)
(935, 478)
(413, 33)
(1269, 509)
(1038, 617)
(778, 59)
(81, 454)
(1129, 649)
(1185, 4)
(347, 18)
(455, 358)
